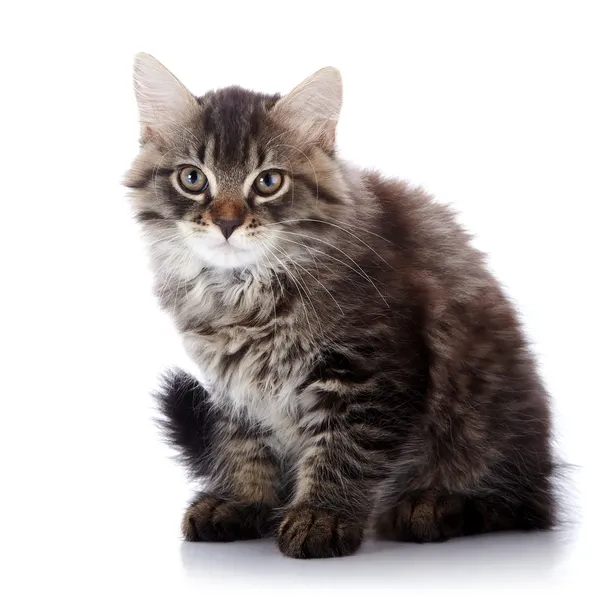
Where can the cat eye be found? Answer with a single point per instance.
(193, 180)
(268, 182)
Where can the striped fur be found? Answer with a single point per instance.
(360, 364)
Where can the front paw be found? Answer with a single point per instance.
(307, 532)
(213, 519)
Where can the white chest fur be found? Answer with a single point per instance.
(251, 370)
(254, 371)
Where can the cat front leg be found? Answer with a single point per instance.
(346, 458)
(241, 491)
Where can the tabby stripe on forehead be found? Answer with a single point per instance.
(262, 157)
(246, 148)
(256, 119)
(216, 152)
(202, 153)
(318, 191)
(207, 121)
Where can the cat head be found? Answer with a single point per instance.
(237, 177)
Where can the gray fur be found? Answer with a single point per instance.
(359, 352)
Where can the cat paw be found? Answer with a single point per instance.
(213, 519)
(307, 532)
(424, 517)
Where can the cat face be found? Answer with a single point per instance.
(236, 177)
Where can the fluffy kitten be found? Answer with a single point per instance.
(360, 364)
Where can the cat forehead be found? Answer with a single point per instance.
(234, 110)
(235, 99)
(231, 119)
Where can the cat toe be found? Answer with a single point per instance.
(307, 532)
(212, 519)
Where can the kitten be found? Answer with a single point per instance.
(361, 367)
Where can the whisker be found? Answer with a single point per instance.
(361, 271)
(271, 283)
(171, 260)
(309, 273)
(315, 259)
(334, 225)
(296, 283)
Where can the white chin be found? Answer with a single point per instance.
(223, 255)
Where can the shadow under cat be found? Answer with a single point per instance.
(499, 559)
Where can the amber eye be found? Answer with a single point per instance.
(268, 182)
(193, 180)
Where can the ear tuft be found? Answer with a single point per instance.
(313, 107)
(163, 101)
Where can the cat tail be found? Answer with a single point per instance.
(187, 420)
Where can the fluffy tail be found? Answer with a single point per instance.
(187, 420)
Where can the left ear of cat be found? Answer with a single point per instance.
(164, 103)
(312, 109)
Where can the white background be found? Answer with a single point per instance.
(492, 106)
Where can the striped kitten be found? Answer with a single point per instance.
(360, 365)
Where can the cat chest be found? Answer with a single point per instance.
(254, 372)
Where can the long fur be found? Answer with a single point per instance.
(188, 420)
(363, 365)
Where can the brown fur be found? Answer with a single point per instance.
(306, 532)
(211, 519)
(363, 364)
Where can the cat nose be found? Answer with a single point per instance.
(228, 226)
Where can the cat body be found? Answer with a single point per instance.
(360, 364)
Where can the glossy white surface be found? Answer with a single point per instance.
(493, 108)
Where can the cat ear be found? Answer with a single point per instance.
(163, 101)
(312, 109)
